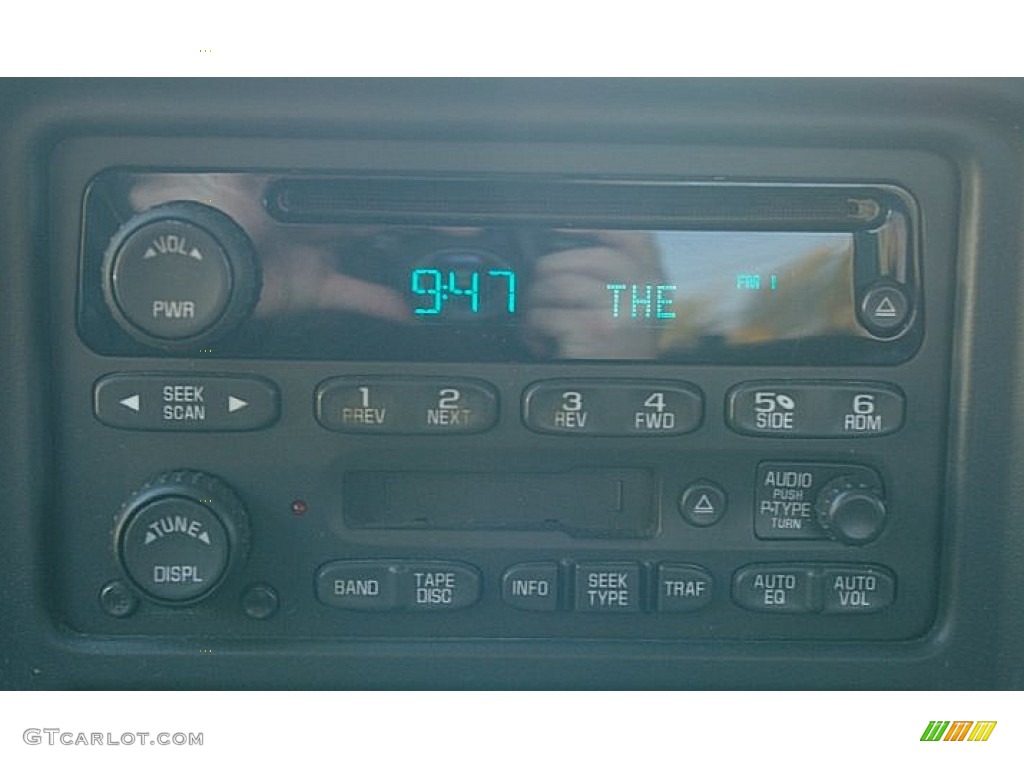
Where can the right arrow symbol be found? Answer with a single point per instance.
(236, 404)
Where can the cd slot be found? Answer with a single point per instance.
(574, 203)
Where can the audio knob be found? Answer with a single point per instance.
(179, 275)
(181, 536)
(851, 511)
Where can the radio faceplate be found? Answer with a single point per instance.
(788, 491)
(498, 268)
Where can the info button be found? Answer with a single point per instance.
(531, 586)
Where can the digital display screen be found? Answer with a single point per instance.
(599, 294)
(521, 289)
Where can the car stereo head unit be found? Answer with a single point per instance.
(363, 390)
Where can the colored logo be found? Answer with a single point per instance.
(958, 730)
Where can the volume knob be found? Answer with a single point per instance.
(179, 275)
(851, 511)
(181, 536)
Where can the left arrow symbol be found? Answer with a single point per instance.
(132, 403)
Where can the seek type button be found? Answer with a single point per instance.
(608, 587)
(774, 588)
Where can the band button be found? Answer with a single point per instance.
(359, 585)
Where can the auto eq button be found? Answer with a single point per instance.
(185, 402)
(775, 588)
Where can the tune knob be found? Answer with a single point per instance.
(851, 511)
(181, 536)
(180, 274)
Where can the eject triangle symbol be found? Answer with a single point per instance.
(704, 505)
(885, 308)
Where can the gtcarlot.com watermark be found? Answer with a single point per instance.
(56, 736)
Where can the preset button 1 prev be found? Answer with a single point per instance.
(406, 406)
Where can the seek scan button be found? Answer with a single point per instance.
(184, 402)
